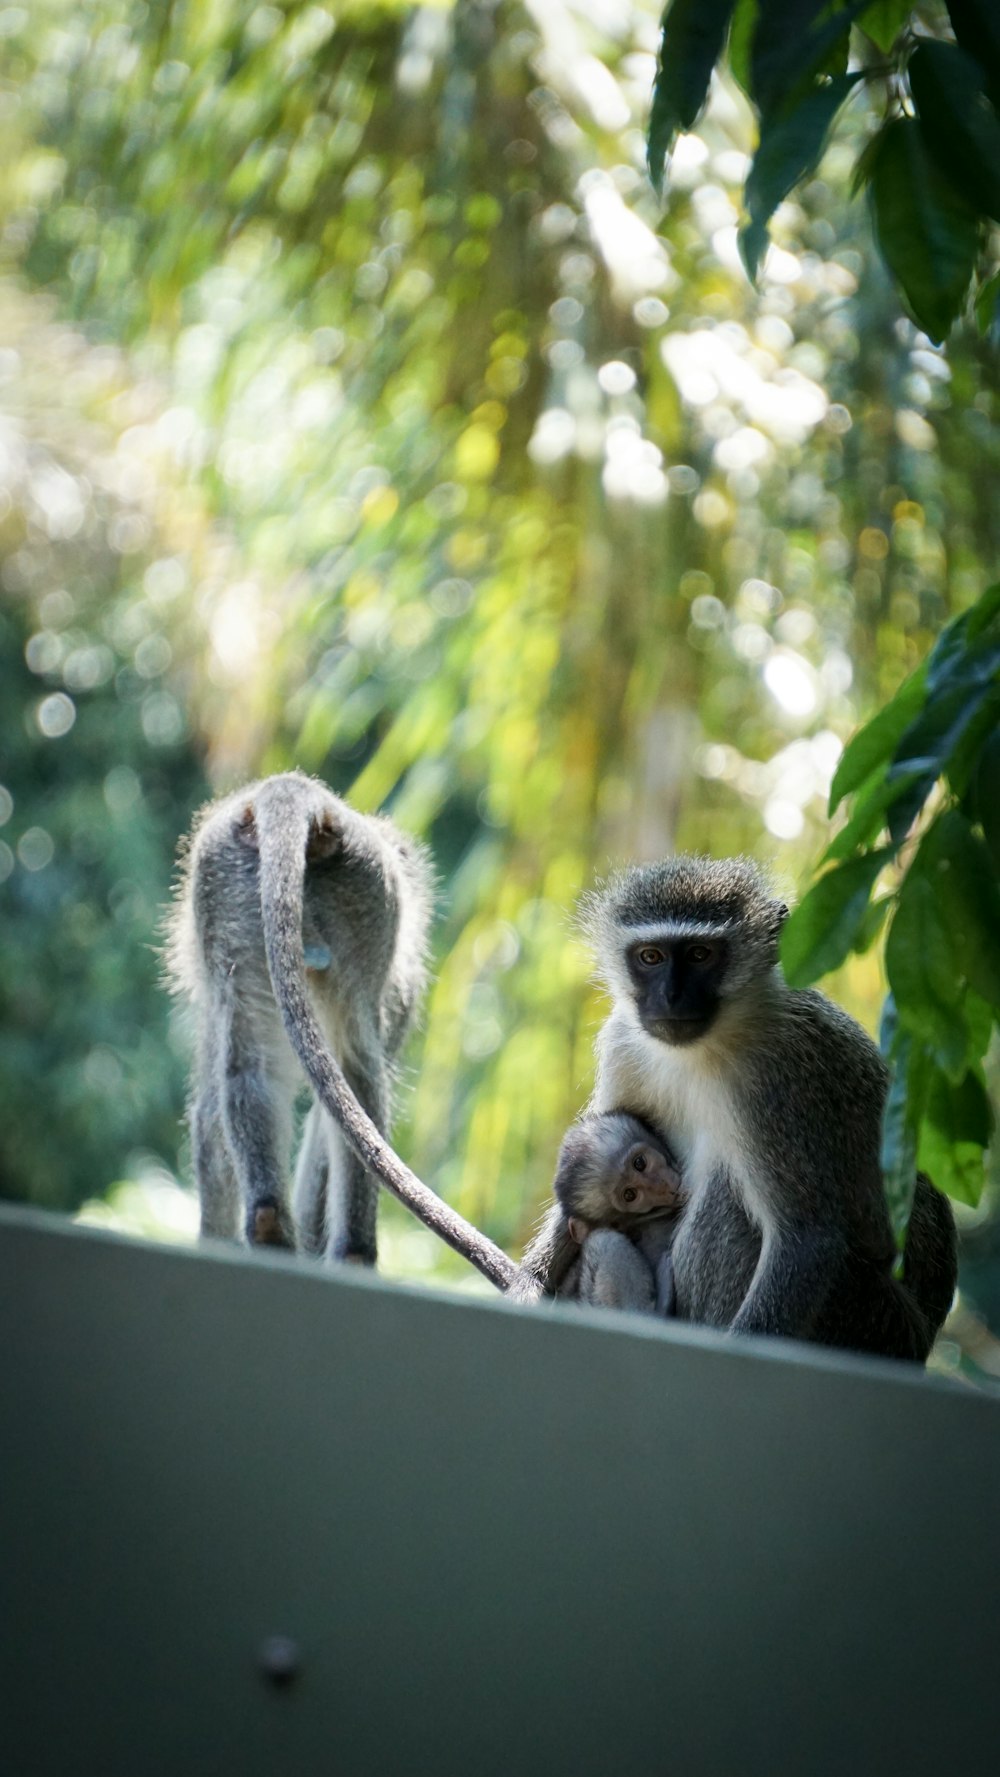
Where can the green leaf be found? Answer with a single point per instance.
(869, 815)
(958, 864)
(955, 1129)
(878, 739)
(928, 233)
(793, 43)
(901, 1117)
(791, 142)
(923, 973)
(740, 37)
(872, 923)
(949, 651)
(883, 21)
(693, 35)
(979, 1024)
(960, 128)
(963, 690)
(980, 727)
(826, 924)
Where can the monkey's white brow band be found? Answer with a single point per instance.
(678, 928)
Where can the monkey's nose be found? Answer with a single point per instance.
(661, 1189)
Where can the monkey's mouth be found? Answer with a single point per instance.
(677, 1031)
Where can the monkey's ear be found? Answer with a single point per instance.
(578, 1230)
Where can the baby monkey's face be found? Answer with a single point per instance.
(644, 1181)
(611, 1172)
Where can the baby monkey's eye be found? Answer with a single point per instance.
(629, 1194)
(650, 955)
(639, 1163)
(700, 953)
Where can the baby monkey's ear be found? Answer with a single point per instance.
(578, 1229)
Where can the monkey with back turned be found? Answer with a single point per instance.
(772, 1098)
(299, 935)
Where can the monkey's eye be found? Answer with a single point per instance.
(629, 1194)
(700, 953)
(649, 955)
(639, 1163)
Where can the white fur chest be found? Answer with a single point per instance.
(685, 1092)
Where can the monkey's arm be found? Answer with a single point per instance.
(795, 1278)
(548, 1260)
(810, 1103)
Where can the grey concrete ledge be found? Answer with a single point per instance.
(501, 1540)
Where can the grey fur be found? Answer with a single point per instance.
(775, 1115)
(276, 873)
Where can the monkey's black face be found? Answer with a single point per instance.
(676, 982)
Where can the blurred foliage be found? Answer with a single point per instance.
(484, 494)
(96, 765)
(931, 163)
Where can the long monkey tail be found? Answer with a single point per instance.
(285, 818)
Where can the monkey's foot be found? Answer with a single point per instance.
(269, 1228)
(367, 1260)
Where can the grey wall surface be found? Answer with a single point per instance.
(505, 1541)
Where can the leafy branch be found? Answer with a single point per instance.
(923, 782)
(932, 168)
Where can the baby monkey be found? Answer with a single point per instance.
(615, 1172)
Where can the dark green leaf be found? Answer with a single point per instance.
(826, 924)
(959, 866)
(966, 754)
(796, 40)
(877, 740)
(981, 614)
(923, 973)
(869, 815)
(955, 1128)
(883, 20)
(976, 24)
(949, 649)
(740, 37)
(962, 691)
(928, 232)
(960, 128)
(791, 142)
(693, 35)
(901, 1117)
(986, 796)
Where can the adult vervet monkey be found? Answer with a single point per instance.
(771, 1099)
